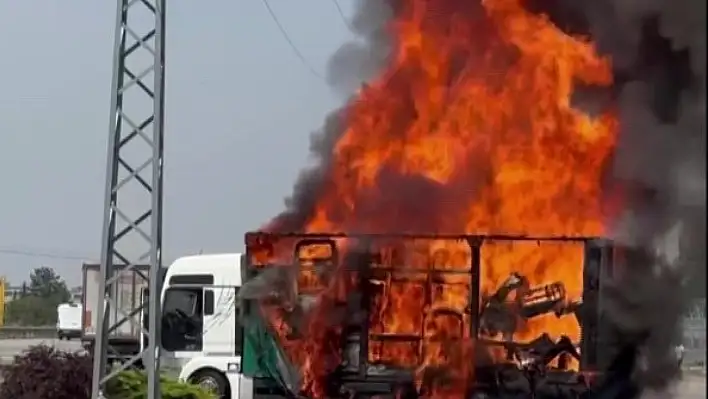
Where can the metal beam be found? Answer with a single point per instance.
(133, 192)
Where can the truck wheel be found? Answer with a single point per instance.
(213, 381)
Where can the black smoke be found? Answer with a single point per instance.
(349, 67)
(658, 48)
(658, 52)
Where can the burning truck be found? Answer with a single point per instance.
(408, 316)
(486, 118)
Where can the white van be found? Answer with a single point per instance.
(69, 320)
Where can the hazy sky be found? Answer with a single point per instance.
(236, 97)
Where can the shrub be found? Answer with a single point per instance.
(43, 372)
(133, 384)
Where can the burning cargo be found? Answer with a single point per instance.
(421, 316)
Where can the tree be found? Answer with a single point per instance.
(30, 311)
(45, 283)
(37, 305)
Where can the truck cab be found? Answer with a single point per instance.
(200, 336)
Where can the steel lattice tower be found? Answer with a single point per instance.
(132, 224)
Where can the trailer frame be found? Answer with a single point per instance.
(598, 259)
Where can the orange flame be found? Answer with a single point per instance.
(469, 129)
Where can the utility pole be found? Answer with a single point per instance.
(132, 220)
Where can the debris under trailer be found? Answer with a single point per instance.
(320, 319)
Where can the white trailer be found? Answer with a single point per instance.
(128, 291)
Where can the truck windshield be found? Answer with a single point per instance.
(182, 319)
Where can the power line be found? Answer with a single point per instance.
(341, 14)
(290, 42)
(42, 254)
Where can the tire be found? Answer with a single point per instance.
(214, 380)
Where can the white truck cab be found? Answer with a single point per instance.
(200, 339)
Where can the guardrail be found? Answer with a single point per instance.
(23, 332)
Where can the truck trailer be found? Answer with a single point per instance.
(317, 323)
(129, 290)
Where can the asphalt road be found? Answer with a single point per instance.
(693, 386)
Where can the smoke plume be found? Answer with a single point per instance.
(351, 65)
(658, 48)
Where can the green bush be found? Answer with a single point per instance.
(43, 372)
(132, 384)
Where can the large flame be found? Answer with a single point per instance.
(470, 129)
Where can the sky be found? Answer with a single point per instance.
(240, 107)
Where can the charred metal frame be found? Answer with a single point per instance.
(599, 267)
(597, 263)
